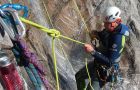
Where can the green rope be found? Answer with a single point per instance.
(89, 75)
(55, 63)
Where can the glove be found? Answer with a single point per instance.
(88, 48)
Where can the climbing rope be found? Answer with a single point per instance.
(32, 78)
(89, 75)
(112, 84)
(62, 49)
(81, 15)
(16, 7)
(54, 34)
(87, 30)
(34, 71)
(53, 49)
(55, 63)
(51, 32)
(48, 14)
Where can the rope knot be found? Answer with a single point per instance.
(54, 33)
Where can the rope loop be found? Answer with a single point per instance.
(55, 33)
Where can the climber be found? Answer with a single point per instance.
(107, 55)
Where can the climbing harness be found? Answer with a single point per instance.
(111, 74)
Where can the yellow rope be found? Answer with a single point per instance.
(48, 14)
(52, 32)
(89, 33)
(34, 24)
(72, 39)
(111, 88)
(89, 75)
(62, 49)
(55, 63)
(55, 34)
(81, 16)
(112, 84)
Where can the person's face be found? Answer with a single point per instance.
(110, 26)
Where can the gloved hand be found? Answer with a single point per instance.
(89, 48)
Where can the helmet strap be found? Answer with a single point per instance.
(118, 21)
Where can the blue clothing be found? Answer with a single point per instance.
(111, 47)
(114, 43)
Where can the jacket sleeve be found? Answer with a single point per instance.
(114, 51)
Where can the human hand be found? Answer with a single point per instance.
(88, 48)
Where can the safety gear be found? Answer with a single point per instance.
(112, 18)
(113, 44)
(111, 14)
(89, 48)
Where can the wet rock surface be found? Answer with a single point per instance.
(65, 18)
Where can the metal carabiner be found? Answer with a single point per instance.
(8, 29)
(2, 14)
(18, 22)
(21, 27)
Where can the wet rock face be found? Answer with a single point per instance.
(65, 18)
(68, 18)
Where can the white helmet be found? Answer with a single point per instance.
(111, 14)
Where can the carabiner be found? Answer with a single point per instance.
(8, 29)
(18, 22)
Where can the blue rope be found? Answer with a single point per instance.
(30, 69)
(17, 7)
(32, 78)
(34, 71)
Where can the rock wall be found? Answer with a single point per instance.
(65, 18)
